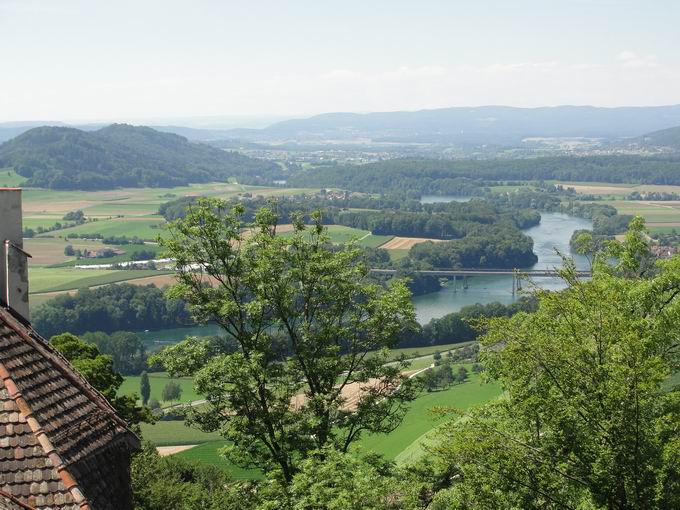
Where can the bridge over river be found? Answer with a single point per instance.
(517, 274)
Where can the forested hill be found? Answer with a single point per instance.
(440, 176)
(123, 155)
(664, 138)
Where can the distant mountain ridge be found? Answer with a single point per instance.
(121, 155)
(503, 125)
(486, 124)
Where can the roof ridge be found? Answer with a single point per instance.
(57, 461)
(14, 500)
(63, 365)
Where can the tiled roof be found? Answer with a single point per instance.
(9, 502)
(62, 446)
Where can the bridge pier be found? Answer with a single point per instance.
(516, 283)
(465, 282)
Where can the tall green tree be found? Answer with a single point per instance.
(98, 370)
(145, 387)
(171, 391)
(585, 421)
(305, 318)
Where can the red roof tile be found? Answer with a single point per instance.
(62, 446)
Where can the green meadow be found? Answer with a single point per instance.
(10, 179)
(158, 380)
(340, 234)
(418, 421)
(174, 433)
(420, 417)
(129, 251)
(208, 453)
(47, 279)
(147, 228)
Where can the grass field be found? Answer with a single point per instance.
(414, 352)
(208, 453)
(10, 179)
(135, 201)
(129, 249)
(175, 432)
(417, 422)
(616, 189)
(44, 279)
(41, 220)
(396, 255)
(340, 234)
(49, 251)
(144, 227)
(158, 380)
(659, 216)
(40, 299)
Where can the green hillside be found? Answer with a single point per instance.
(123, 155)
(663, 138)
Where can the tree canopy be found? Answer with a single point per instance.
(305, 318)
(585, 421)
(122, 155)
(98, 370)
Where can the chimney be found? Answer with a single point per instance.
(13, 260)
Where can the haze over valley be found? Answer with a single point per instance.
(339, 255)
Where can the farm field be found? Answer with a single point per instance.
(47, 251)
(134, 201)
(340, 234)
(159, 279)
(609, 188)
(660, 216)
(406, 243)
(417, 422)
(153, 250)
(159, 379)
(37, 220)
(599, 188)
(45, 279)
(144, 227)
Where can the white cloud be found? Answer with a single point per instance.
(631, 59)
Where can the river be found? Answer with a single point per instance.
(552, 233)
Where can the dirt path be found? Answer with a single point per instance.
(164, 451)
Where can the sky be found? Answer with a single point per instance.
(89, 60)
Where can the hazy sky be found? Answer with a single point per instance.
(120, 59)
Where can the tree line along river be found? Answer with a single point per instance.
(553, 233)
